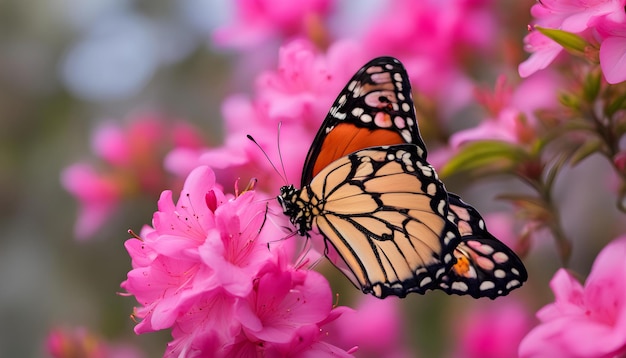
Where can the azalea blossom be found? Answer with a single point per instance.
(213, 272)
(600, 21)
(512, 116)
(585, 320)
(492, 331)
(296, 96)
(430, 38)
(129, 162)
(385, 338)
(257, 22)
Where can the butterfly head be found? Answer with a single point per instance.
(295, 208)
(288, 194)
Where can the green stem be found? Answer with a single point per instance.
(606, 132)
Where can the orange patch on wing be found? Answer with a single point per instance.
(347, 138)
(462, 265)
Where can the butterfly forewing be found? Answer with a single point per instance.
(374, 109)
(383, 210)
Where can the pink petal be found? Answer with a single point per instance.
(97, 195)
(110, 143)
(543, 50)
(543, 341)
(613, 59)
(568, 294)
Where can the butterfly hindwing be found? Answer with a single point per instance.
(485, 266)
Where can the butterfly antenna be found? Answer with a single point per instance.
(267, 157)
(280, 154)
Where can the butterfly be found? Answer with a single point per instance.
(388, 222)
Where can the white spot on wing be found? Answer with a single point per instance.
(357, 111)
(512, 283)
(500, 257)
(459, 286)
(440, 207)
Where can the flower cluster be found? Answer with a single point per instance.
(204, 270)
(297, 95)
(492, 330)
(602, 22)
(584, 321)
(131, 164)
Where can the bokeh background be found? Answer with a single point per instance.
(68, 65)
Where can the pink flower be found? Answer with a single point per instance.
(130, 164)
(584, 321)
(286, 312)
(210, 270)
(513, 110)
(613, 50)
(259, 21)
(169, 264)
(492, 331)
(98, 197)
(601, 21)
(382, 339)
(543, 51)
(431, 38)
(79, 342)
(298, 95)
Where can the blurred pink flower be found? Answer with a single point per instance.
(492, 331)
(257, 22)
(205, 270)
(98, 196)
(513, 110)
(79, 342)
(432, 38)
(542, 52)
(298, 95)
(130, 164)
(613, 47)
(584, 321)
(385, 338)
(601, 21)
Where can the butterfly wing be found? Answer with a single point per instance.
(485, 267)
(374, 109)
(383, 210)
(398, 247)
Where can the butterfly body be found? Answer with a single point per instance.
(388, 222)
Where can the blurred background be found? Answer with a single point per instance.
(67, 66)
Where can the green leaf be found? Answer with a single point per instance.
(571, 42)
(494, 156)
(591, 86)
(569, 100)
